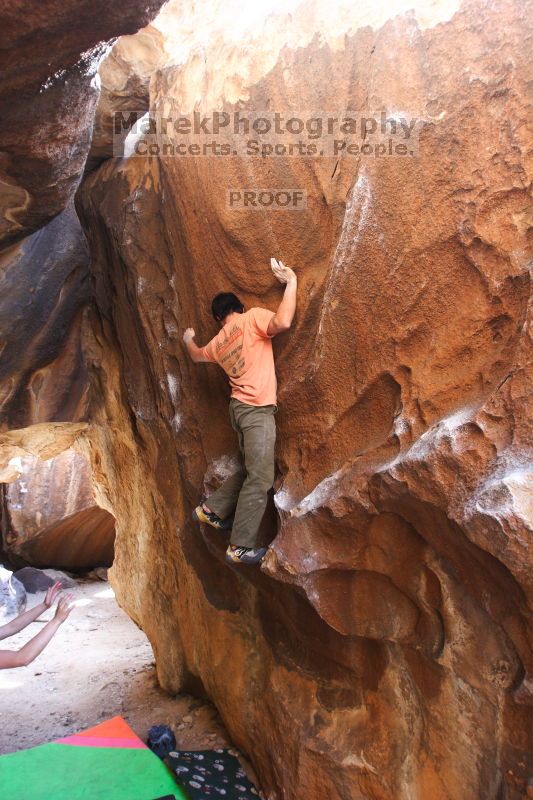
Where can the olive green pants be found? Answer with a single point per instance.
(246, 491)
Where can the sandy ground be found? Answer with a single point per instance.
(97, 666)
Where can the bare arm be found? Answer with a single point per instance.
(282, 319)
(20, 622)
(193, 350)
(33, 648)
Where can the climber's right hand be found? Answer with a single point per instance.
(189, 335)
(283, 274)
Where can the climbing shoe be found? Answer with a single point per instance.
(245, 555)
(201, 515)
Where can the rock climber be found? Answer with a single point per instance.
(243, 348)
(33, 648)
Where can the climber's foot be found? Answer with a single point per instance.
(201, 514)
(245, 555)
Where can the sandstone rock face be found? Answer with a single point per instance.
(383, 650)
(49, 56)
(124, 78)
(44, 384)
(50, 518)
(48, 61)
(45, 290)
(44, 441)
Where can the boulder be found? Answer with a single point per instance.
(48, 61)
(124, 77)
(39, 580)
(45, 294)
(34, 580)
(51, 518)
(98, 574)
(382, 649)
(12, 596)
(68, 580)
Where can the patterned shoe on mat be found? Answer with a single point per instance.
(245, 555)
(201, 515)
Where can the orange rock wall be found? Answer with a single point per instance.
(383, 650)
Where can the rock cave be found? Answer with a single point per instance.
(382, 649)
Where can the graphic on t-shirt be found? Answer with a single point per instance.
(243, 348)
(229, 352)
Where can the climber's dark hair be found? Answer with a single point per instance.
(224, 303)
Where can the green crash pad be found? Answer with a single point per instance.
(107, 762)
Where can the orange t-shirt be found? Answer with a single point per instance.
(244, 351)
